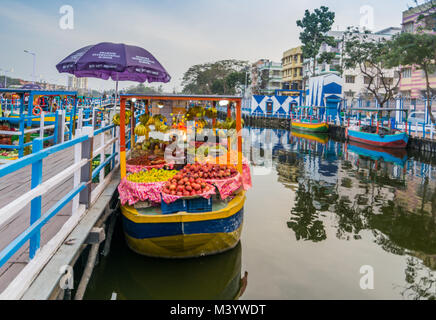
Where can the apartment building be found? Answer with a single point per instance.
(75, 83)
(266, 77)
(413, 83)
(292, 69)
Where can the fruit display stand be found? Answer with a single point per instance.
(191, 220)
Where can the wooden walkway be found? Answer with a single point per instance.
(14, 185)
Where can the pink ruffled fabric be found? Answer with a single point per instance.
(137, 168)
(133, 192)
(168, 198)
(246, 176)
(227, 187)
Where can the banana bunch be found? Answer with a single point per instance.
(228, 124)
(159, 117)
(211, 113)
(141, 130)
(116, 118)
(150, 121)
(195, 112)
(161, 127)
(144, 119)
(128, 115)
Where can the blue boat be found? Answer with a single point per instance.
(397, 139)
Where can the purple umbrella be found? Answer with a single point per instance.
(117, 61)
(31, 86)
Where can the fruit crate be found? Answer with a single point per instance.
(199, 205)
(173, 207)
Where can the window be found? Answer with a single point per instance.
(407, 73)
(350, 79)
(366, 80)
(408, 27)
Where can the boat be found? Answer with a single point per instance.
(313, 126)
(181, 234)
(377, 135)
(388, 139)
(307, 119)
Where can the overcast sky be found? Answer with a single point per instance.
(179, 33)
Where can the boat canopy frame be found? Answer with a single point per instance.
(378, 110)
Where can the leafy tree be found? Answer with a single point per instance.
(315, 27)
(262, 83)
(371, 57)
(141, 89)
(9, 81)
(221, 77)
(427, 19)
(417, 49)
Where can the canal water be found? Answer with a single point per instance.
(324, 220)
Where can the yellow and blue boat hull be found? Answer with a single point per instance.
(184, 235)
(311, 127)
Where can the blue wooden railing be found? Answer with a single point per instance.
(38, 218)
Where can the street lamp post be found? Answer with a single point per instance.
(34, 64)
(4, 73)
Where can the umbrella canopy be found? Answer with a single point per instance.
(31, 86)
(117, 61)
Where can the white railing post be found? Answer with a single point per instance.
(93, 122)
(76, 179)
(63, 126)
(86, 171)
(102, 153)
(41, 126)
(80, 119)
(117, 144)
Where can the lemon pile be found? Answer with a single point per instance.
(153, 175)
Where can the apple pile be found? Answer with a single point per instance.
(186, 186)
(209, 171)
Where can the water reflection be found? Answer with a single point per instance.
(356, 188)
(132, 276)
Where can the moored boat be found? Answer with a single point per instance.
(313, 126)
(184, 231)
(309, 119)
(385, 139)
